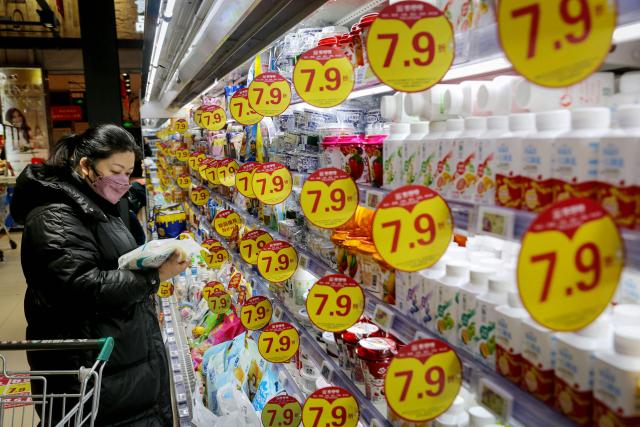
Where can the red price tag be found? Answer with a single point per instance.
(277, 261)
(241, 109)
(329, 198)
(256, 313)
(272, 183)
(330, 406)
(279, 342)
(211, 288)
(269, 94)
(225, 221)
(226, 171)
(335, 303)
(410, 46)
(282, 411)
(219, 302)
(324, 76)
(252, 243)
(244, 179)
(199, 196)
(213, 117)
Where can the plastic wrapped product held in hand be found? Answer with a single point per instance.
(154, 253)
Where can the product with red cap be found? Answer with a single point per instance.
(351, 337)
(375, 354)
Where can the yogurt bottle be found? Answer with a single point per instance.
(480, 417)
(509, 337)
(539, 359)
(426, 301)
(445, 166)
(496, 295)
(455, 416)
(393, 153)
(465, 152)
(462, 99)
(429, 153)
(412, 153)
(485, 180)
(448, 292)
(467, 306)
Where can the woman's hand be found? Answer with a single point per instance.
(175, 265)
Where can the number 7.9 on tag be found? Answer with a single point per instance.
(330, 406)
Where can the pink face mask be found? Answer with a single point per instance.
(112, 187)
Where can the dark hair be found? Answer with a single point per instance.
(94, 144)
(24, 127)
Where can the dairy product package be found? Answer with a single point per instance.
(154, 253)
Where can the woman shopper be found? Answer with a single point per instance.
(72, 239)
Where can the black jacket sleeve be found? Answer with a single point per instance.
(67, 249)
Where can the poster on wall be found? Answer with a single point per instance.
(24, 116)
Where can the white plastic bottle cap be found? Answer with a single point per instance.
(420, 127)
(494, 264)
(457, 269)
(629, 116)
(523, 93)
(415, 103)
(387, 107)
(455, 124)
(598, 328)
(498, 123)
(626, 314)
(480, 275)
(486, 93)
(626, 340)
(553, 120)
(453, 100)
(499, 285)
(522, 121)
(400, 128)
(630, 82)
(457, 407)
(514, 300)
(477, 256)
(437, 126)
(591, 118)
(475, 123)
(480, 417)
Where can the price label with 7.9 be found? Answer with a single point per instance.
(269, 94)
(412, 228)
(226, 171)
(215, 256)
(182, 153)
(323, 76)
(199, 196)
(335, 303)
(202, 168)
(252, 243)
(277, 261)
(181, 126)
(225, 221)
(556, 43)
(570, 264)
(194, 160)
(184, 181)
(211, 288)
(423, 380)
(279, 342)
(330, 406)
(213, 117)
(329, 198)
(219, 302)
(256, 313)
(410, 46)
(282, 411)
(272, 183)
(241, 109)
(165, 290)
(197, 116)
(244, 179)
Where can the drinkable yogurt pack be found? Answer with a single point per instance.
(154, 253)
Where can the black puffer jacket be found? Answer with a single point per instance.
(70, 248)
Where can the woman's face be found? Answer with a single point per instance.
(16, 118)
(116, 164)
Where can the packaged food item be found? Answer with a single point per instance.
(445, 168)
(154, 253)
(429, 152)
(485, 345)
(353, 154)
(485, 191)
(375, 355)
(373, 158)
(411, 156)
(448, 291)
(350, 339)
(467, 305)
(509, 337)
(170, 221)
(538, 360)
(465, 158)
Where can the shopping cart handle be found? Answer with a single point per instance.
(105, 345)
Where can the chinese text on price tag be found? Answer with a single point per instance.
(256, 313)
(332, 406)
(329, 198)
(335, 303)
(277, 261)
(272, 183)
(269, 94)
(278, 342)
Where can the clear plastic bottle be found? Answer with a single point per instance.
(445, 168)
(467, 328)
(392, 153)
(429, 153)
(498, 95)
(412, 153)
(448, 291)
(485, 182)
(497, 294)
(465, 151)
(537, 159)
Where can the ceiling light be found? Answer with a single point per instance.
(157, 48)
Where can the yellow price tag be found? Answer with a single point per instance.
(335, 303)
(186, 235)
(194, 160)
(184, 181)
(329, 198)
(278, 342)
(212, 288)
(256, 313)
(202, 168)
(556, 43)
(269, 94)
(182, 154)
(252, 243)
(330, 406)
(165, 290)
(423, 380)
(17, 388)
(241, 110)
(272, 183)
(225, 221)
(282, 411)
(412, 228)
(570, 264)
(199, 196)
(210, 243)
(197, 116)
(219, 302)
(181, 126)
(215, 256)
(213, 117)
(410, 46)
(226, 171)
(277, 261)
(236, 279)
(166, 181)
(244, 179)
(324, 76)
(210, 172)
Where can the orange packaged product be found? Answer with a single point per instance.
(338, 239)
(351, 246)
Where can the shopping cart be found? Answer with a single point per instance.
(18, 406)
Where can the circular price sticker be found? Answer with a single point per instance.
(241, 110)
(244, 179)
(256, 313)
(225, 221)
(215, 256)
(226, 170)
(213, 117)
(272, 183)
(329, 198)
(194, 160)
(252, 243)
(423, 380)
(236, 279)
(412, 228)
(184, 181)
(323, 76)
(330, 406)
(278, 342)
(182, 153)
(410, 46)
(211, 288)
(212, 172)
(197, 116)
(210, 243)
(165, 290)
(570, 264)
(335, 303)
(181, 126)
(277, 261)
(219, 302)
(202, 168)
(282, 411)
(186, 235)
(556, 43)
(199, 196)
(269, 94)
